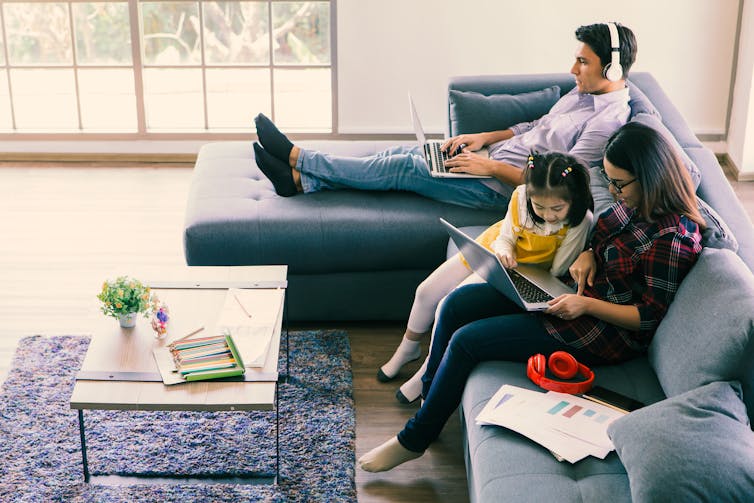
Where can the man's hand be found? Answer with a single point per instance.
(569, 306)
(469, 162)
(471, 142)
(583, 270)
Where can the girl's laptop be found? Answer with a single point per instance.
(528, 286)
(434, 156)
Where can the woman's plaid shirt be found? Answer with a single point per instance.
(638, 263)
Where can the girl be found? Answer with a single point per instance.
(641, 249)
(547, 223)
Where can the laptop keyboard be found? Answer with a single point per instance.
(438, 157)
(528, 290)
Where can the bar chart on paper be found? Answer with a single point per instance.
(570, 426)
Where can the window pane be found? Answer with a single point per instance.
(303, 100)
(5, 119)
(2, 46)
(236, 32)
(302, 32)
(44, 99)
(235, 97)
(170, 33)
(38, 34)
(103, 35)
(107, 99)
(173, 99)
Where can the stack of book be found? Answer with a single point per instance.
(207, 358)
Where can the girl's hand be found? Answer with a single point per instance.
(469, 141)
(508, 260)
(583, 270)
(569, 306)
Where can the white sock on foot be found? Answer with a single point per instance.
(412, 388)
(407, 351)
(387, 456)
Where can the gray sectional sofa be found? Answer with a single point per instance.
(359, 255)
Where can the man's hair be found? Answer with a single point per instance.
(666, 185)
(559, 175)
(597, 37)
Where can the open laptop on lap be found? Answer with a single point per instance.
(528, 286)
(434, 156)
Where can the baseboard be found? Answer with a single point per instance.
(105, 157)
(730, 168)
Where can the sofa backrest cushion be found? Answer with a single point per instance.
(707, 334)
(655, 123)
(693, 447)
(472, 112)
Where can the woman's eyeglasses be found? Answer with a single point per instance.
(618, 186)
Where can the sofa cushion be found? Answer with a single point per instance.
(472, 112)
(717, 234)
(655, 123)
(708, 332)
(694, 447)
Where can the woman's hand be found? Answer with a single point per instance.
(508, 259)
(583, 270)
(469, 141)
(569, 306)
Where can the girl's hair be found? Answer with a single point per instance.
(665, 183)
(558, 175)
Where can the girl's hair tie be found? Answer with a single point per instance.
(566, 171)
(530, 162)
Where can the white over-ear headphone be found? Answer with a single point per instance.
(613, 71)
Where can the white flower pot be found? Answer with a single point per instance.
(128, 320)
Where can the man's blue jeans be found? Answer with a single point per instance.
(398, 168)
(476, 323)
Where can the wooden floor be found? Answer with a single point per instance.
(65, 228)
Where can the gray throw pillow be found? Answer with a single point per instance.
(655, 123)
(707, 334)
(472, 112)
(693, 447)
(717, 234)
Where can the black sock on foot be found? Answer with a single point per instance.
(275, 142)
(277, 171)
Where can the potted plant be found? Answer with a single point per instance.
(124, 298)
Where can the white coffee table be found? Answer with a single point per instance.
(119, 371)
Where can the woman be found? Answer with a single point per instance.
(641, 249)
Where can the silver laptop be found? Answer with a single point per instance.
(434, 156)
(528, 286)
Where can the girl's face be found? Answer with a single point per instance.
(630, 190)
(549, 208)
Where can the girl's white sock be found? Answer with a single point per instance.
(407, 351)
(386, 456)
(412, 389)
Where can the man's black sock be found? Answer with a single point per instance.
(278, 172)
(275, 142)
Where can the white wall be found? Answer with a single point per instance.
(741, 133)
(389, 47)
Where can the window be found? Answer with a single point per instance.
(150, 67)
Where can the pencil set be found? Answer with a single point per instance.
(206, 358)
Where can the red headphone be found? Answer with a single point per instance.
(564, 366)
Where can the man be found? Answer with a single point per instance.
(579, 123)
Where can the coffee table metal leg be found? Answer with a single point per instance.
(277, 433)
(83, 445)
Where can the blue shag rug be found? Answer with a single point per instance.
(40, 450)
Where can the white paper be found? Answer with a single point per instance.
(570, 426)
(250, 317)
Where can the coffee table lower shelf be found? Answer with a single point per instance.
(120, 479)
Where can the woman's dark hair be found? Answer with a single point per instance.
(559, 175)
(597, 36)
(666, 185)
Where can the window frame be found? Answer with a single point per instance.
(138, 68)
